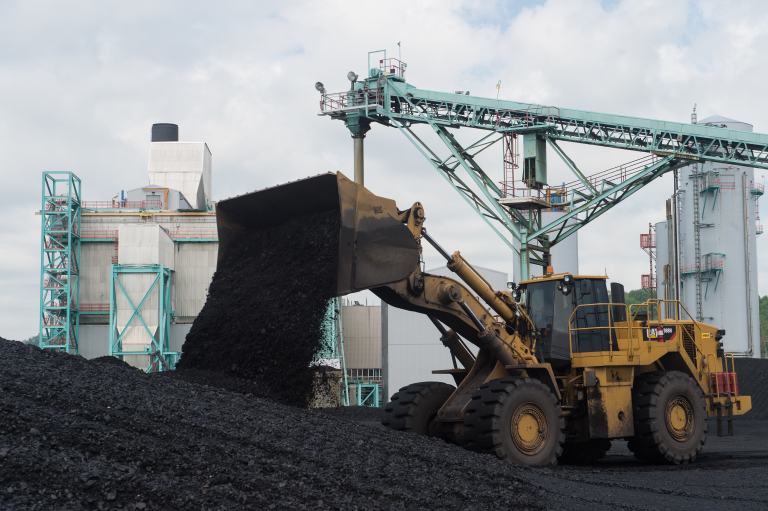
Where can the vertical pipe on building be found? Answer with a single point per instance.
(669, 268)
(385, 352)
(747, 263)
(675, 239)
(675, 245)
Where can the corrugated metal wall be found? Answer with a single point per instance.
(361, 325)
(195, 264)
(142, 241)
(183, 166)
(95, 271)
(94, 339)
(145, 244)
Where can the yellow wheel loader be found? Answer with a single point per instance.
(553, 368)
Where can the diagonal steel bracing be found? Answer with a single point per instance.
(600, 202)
(501, 225)
(385, 98)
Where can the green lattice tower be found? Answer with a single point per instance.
(368, 394)
(60, 261)
(140, 314)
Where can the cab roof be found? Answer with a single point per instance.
(559, 276)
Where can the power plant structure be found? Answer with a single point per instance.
(248, 351)
(362, 341)
(713, 270)
(127, 276)
(705, 250)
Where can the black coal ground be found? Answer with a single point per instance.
(262, 320)
(76, 434)
(752, 376)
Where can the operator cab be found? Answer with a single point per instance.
(550, 302)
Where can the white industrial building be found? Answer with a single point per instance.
(148, 256)
(708, 245)
(361, 333)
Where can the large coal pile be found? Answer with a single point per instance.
(753, 381)
(81, 435)
(264, 313)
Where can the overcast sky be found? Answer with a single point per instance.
(81, 83)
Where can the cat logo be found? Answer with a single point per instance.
(659, 333)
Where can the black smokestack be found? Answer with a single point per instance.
(165, 132)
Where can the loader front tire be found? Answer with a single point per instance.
(414, 406)
(518, 420)
(670, 418)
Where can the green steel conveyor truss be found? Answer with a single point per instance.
(59, 261)
(140, 314)
(384, 97)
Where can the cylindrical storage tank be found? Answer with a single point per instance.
(165, 132)
(721, 288)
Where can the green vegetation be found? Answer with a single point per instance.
(638, 296)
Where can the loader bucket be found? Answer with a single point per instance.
(375, 247)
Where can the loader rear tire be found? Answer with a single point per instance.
(584, 453)
(518, 420)
(670, 418)
(414, 406)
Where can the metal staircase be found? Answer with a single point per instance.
(694, 176)
(60, 262)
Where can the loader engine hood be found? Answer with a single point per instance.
(374, 246)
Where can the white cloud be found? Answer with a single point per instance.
(82, 83)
